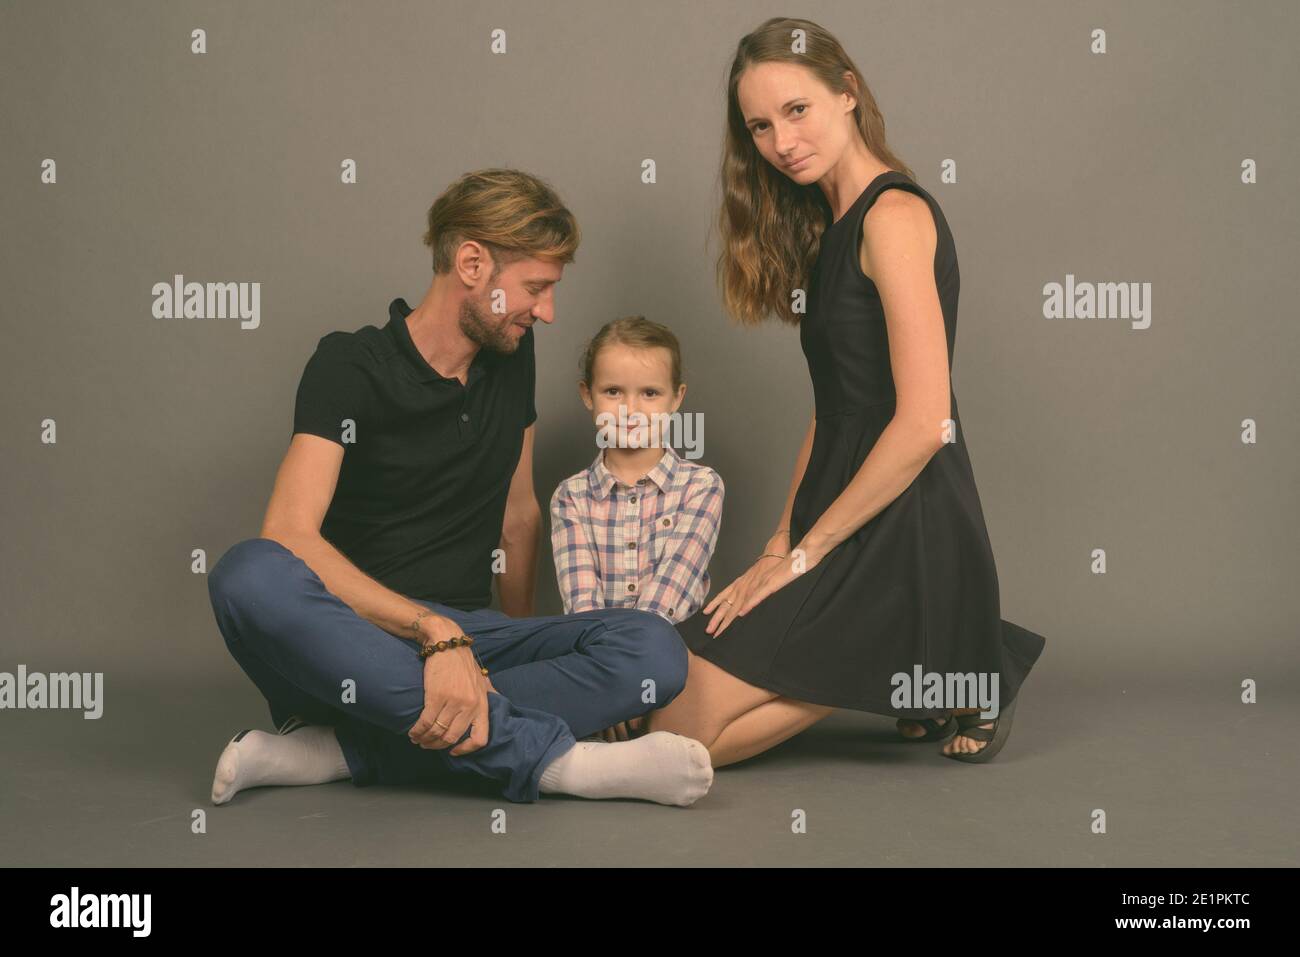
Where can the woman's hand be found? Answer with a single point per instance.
(738, 597)
(777, 575)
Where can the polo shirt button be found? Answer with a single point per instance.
(631, 587)
(464, 416)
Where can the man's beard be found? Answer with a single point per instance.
(482, 328)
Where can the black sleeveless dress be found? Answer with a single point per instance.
(916, 585)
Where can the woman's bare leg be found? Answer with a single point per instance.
(764, 727)
(711, 700)
(732, 718)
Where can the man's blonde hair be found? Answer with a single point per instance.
(512, 213)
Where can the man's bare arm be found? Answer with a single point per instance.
(517, 584)
(304, 487)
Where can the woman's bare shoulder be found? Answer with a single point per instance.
(899, 222)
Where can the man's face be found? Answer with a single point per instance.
(511, 301)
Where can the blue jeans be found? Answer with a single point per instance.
(560, 677)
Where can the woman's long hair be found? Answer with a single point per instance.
(770, 226)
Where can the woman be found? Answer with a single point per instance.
(891, 567)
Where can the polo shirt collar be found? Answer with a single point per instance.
(601, 480)
(398, 310)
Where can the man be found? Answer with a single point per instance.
(361, 612)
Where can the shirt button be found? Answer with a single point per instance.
(631, 587)
(631, 544)
(667, 521)
(640, 481)
(632, 499)
(464, 416)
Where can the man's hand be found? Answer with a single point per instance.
(455, 698)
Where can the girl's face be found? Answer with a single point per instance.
(641, 381)
(796, 123)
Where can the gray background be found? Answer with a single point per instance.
(1084, 434)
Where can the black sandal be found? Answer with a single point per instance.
(995, 736)
(934, 731)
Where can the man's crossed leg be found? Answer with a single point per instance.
(559, 677)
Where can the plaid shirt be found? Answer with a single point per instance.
(637, 546)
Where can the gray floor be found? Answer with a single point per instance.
(1187, 777)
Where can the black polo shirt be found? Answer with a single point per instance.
(427, 462)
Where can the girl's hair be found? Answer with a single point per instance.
(637, 331)
(770, 226)
(512, 213)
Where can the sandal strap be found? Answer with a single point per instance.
(934, 729)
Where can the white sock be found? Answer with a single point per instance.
(310, 755)
(660, 766)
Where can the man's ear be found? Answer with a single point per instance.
(472, 263)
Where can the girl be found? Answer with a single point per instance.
(637, 527)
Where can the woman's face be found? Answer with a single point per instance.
(796, 123)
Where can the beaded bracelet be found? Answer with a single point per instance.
(430, 648)
(433, 647)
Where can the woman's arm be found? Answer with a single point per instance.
(724, 606)
(577, 566)
(891, 466)
(782, 535)
(898, 248)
